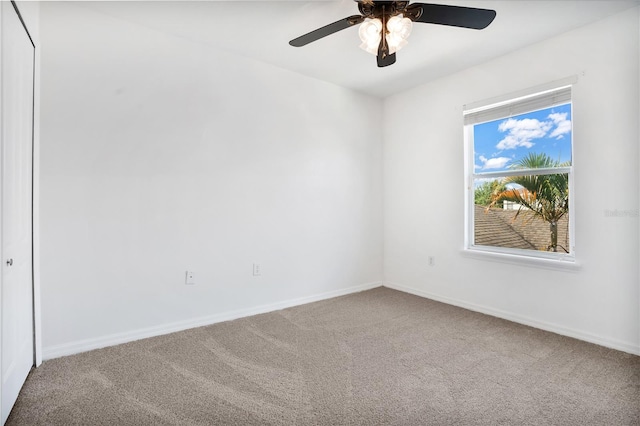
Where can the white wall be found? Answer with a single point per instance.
(424, 181)
(160, 155)
(146, 173)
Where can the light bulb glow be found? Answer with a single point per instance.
(398, 30)
(370, 33)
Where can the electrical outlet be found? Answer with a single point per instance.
(257, 270)
(189, 279)
(432, 260)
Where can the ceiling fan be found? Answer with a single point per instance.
(394, 19)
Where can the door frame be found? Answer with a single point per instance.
(35, 102)
(30, 18)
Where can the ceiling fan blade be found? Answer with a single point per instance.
(326, 30)
(456, 16)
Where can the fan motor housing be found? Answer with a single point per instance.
(380, 9)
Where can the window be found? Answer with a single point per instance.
(519, 176)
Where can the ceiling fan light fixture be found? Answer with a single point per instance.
(393, 20)
(370, 33)
(398, 31)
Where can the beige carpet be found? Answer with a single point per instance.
(376, 357)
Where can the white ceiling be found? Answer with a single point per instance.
(262, 29)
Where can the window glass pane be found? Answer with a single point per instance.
(515, 142)
(523, 212)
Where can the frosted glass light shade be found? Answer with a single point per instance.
(370, 33)
(398, 30)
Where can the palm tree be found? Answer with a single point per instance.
(547, 196)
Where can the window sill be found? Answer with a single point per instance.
(530, 261)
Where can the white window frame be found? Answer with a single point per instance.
(530, 100)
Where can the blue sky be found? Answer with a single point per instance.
(499, 144)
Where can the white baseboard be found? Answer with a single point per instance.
(510, 316)
(143, 333)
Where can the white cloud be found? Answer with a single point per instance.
(511, 142)
(493, 163)
(522, 132)
(563, 125)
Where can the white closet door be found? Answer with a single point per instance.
(17, 130)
